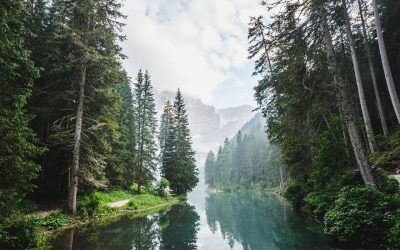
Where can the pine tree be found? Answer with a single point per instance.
(166, 126)
(343, 97)
(238, 159)
(145, 116)
(18, 143)
(121, 167)
(167, 141)
(76, 45)
(183, 177)
(209, 169)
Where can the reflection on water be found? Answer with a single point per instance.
(175, 228)
(221, 221)
(261, 222)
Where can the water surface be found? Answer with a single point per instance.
(207, 221)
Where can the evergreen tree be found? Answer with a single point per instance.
(18, 143)
(184, 177)
(209, 169)
(145, 116)
(75, 108)
(248, 153)
(167, 141)
(166, 126)
(121, 165)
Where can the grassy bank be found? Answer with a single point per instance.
(35, 230)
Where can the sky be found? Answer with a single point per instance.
(199, 46)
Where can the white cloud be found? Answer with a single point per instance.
(193, 44)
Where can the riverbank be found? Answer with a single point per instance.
(36, 230)
(238, 188)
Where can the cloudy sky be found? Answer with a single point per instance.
(197, 45)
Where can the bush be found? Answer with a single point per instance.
(87, 205)
(385, 183)
(319, 202)
(162, 185)
(19, 234)
(134, 187)
(359, 216)
(54, 220)
(294, 193)
(393, 234)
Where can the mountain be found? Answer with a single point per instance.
(208, 124)
(256, 121)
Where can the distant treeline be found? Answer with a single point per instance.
(245, 160)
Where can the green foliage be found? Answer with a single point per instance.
(134, 187)
(53, 221)
(145, 115)
(294, 193)
(393, 234)
(245, 161)
(122, 159)
(388, 155)
(115, 195)
(386, 184)
(87, 205)
(163, 184)
(177, 155)
(19, 234)
(147, 200)
(360, 215)
(18, 143)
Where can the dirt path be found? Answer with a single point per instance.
(118, 203)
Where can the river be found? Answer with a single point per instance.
(206, 221)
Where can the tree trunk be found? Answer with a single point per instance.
(360, 88)
(141, 131)
(344, 100)
(73, 188)
(372, 72)
(385, 63)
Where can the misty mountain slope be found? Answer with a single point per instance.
(209, 125)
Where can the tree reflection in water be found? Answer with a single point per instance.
(261, 222)
(179, 227)
(175, 228)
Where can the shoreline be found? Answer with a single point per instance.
(45, 235)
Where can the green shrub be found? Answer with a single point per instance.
(54, 220)
(87, 205)
(319, 202)
(294, 193)
(359, 216)
(385, 183)
(134, 187)
(393, 234)
(162, 185)
(12, 204)
(19, 234)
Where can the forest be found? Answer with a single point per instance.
(72, 123)
(328, 89)
(248, 160)
(78, 134)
